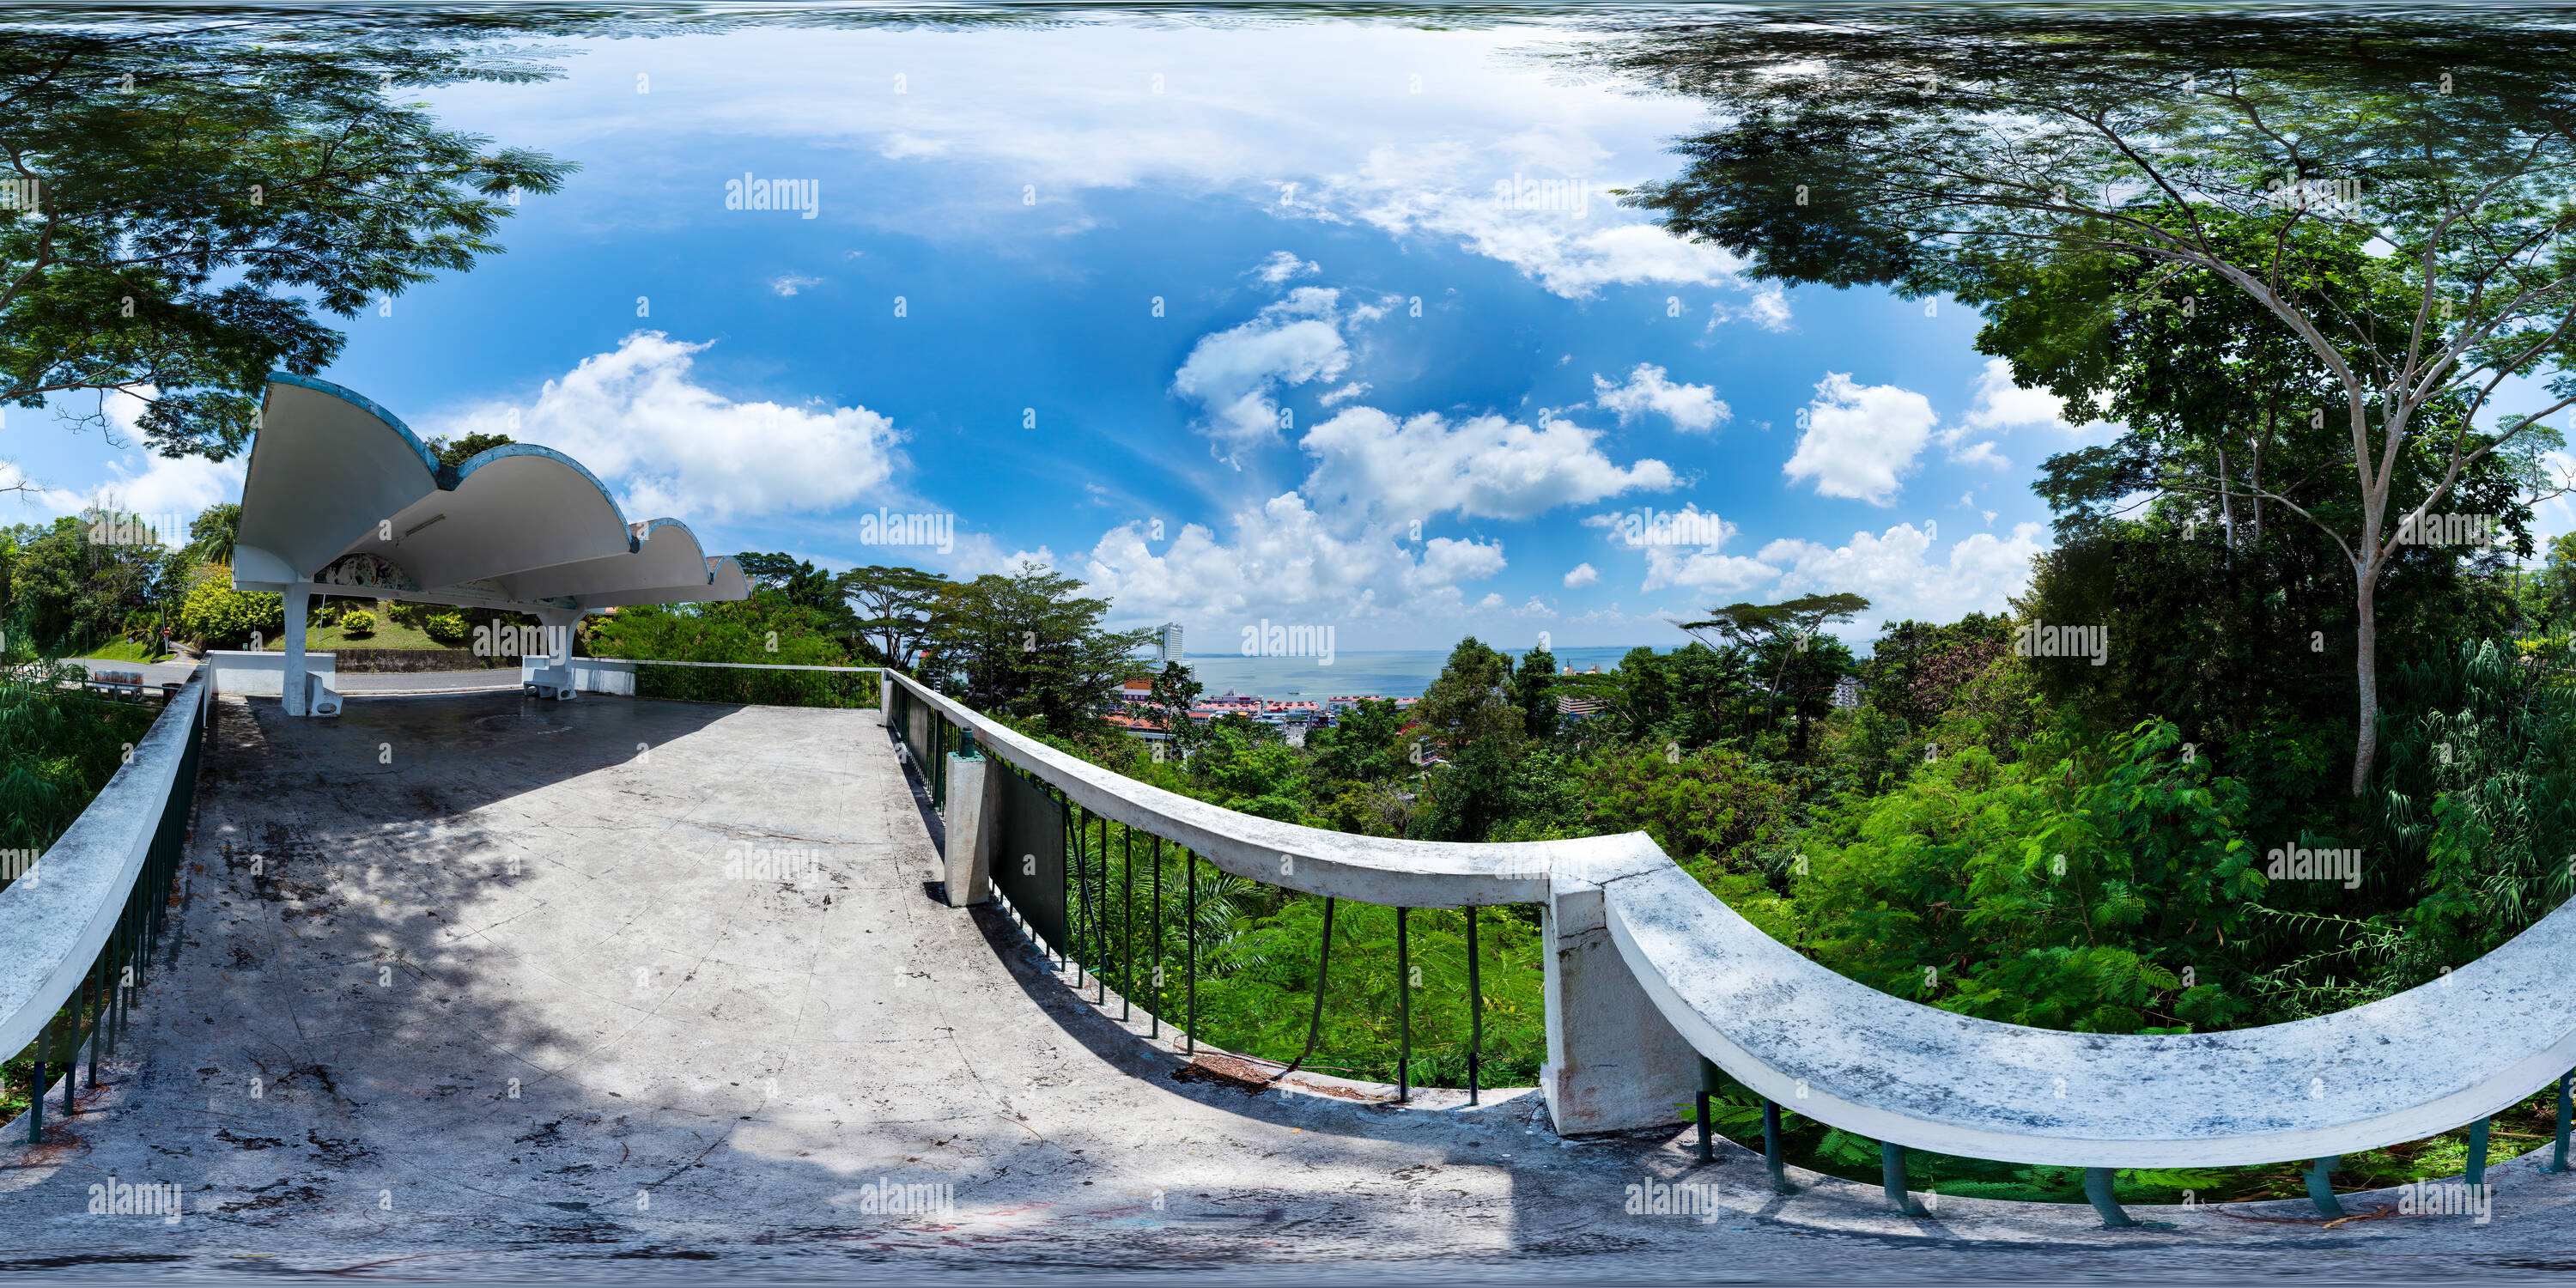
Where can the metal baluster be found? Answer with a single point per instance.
(1403, 1014)
(1772, 1161)
(1081, 891)
(1323, 975)
(2566, 1093)
(36, 1092)
(71, 1062)
(2477, 1148)
(1707, 1084)
(1891, 1175)
(97, 1013)
(1101, 923)
(1190, 1021)
(1127, 922)
(1475, 1008)
(2321, 1186)
(1158, 937)
(116, 990)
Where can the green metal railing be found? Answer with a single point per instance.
(100, 1008)
(927, 738)
(1091, 890)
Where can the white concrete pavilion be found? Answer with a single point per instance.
(343, 498)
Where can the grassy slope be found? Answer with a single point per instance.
(328, 639)
(126, 651)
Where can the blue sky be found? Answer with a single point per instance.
(1474, 389)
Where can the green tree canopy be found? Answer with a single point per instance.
(897, 607)
(1472, 701)
(1026, 645)
(2390, 202)
(172, 192)
(466, 448)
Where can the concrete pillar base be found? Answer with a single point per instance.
(1613, 1062)
(553, 677)
(299, 602)
(974, 814)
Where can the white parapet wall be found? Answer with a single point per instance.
(261, 674)
(56, 918)
(2403, 1068)
(616, 675)
(587, 674)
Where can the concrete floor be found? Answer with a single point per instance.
(509, 1017)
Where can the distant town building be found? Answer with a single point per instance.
(1847, 691)
(1293, 716)
(1169, 638)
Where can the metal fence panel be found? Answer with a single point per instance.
(1028, 855)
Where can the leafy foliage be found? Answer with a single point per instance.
(191, 183)
(2068, 891)
(218, 616)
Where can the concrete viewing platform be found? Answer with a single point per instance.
(477, 986)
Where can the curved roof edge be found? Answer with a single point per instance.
(446, 478)
(370, 406)
(639, 533)
(450, 477)
(505, 450)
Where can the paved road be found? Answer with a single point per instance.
(463, 980)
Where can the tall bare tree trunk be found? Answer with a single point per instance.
(2226, 499)
(2366, 667)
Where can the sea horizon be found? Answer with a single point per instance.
(1383, 673)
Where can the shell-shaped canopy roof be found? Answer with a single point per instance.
(342, 492)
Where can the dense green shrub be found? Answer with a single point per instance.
(758, 688)
(2103, 888)
(739, 633)
(448, 626)
(218, 616)
(57, 748)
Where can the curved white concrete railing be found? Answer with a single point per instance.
(1693, 975)
(2399, 1069)
(55, 921)
(1412, 874)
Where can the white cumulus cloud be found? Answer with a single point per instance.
(1283, 560)
(2001, 404)
(1235, 373)
(1583, 575)
(1369, 463)
(1283, 265)
(1860, 438)
(1896, 571)
(670, 446)
(1693, 409)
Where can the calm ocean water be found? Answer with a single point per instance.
(1393, 673)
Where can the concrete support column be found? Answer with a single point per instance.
(299, 599)
(1613, 1061)
(974, 828)
(553, 676)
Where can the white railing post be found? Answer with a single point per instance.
(974, 802)
(1613, 1061)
